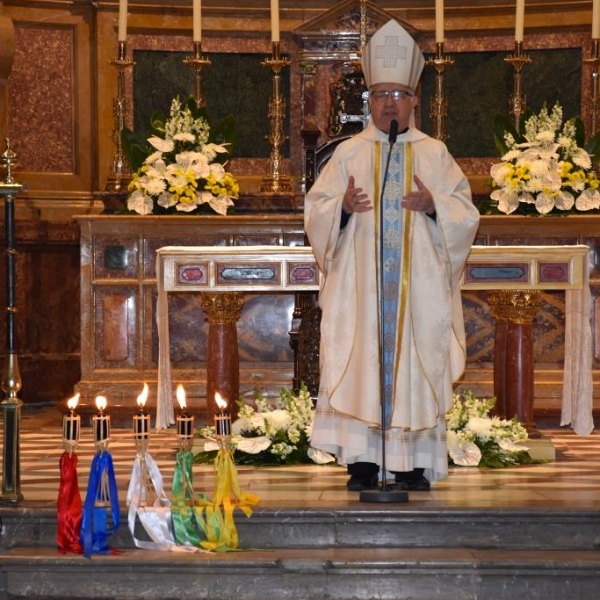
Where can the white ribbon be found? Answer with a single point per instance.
(155, 519)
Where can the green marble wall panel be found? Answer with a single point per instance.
(479, 86)
(235, 84)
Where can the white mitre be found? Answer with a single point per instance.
(392, 56)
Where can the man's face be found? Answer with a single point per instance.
(384, 108)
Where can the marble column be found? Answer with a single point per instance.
(514, 312)
(222, 311)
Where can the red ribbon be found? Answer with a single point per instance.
(69, 507)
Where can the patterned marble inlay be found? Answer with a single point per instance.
(196, 274)
(41, 90)
(553, 272)
(250, 273)
(517, 272)
(302, 273)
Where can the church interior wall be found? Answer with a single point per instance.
(57, 110)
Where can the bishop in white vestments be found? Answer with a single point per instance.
(392, 328)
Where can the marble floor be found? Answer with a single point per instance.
(571, 481)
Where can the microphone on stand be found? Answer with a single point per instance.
(392, 137)
(383, 495)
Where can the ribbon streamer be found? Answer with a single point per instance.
(155, 519)
(102, 494)
(215, 518)
(69, 510)
(182, 495)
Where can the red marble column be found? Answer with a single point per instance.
(514, 312)
(222, 366)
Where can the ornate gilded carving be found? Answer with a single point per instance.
(222, 308)
(514, 306)
(347, 108)
(309, 337)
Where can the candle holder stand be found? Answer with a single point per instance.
(594, 102)
(101, 513)
(69, 511)
(11, 378)
(275, 181)
(197, 61)
(142, 441)
(439, 105)
(518, 101)
(120, 173)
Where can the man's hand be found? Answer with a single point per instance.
(355, 200)
(420, 199)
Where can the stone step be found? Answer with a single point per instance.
(352, 573)
(406, 526)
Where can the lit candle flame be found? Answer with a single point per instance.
(72, 402)
(141, 399)
(101, 403)
(222, 404)
(181, 396)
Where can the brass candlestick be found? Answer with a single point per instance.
(197, 61)
(439, 105)
(594, 100)
(517, 103)
(120, 173)
(275, 181)
(11, 378)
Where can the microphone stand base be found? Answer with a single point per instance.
(383, 496)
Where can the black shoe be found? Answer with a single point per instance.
(358, 484)
(416, 485)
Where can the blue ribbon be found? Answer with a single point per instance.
(94, 526)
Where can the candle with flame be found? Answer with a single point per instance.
(71, 422)
(185, 422)
(222, 418)
(101, 421)
(141, 421)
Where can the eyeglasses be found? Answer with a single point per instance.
(382, 95)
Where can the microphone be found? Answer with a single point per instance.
(392, 136)
(393, 132)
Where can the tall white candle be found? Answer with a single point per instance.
(596, 20)
(274, 20)
(520, 20)
(122, 37)
(439, 21)
(197, 21)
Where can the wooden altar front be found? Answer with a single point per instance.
(512, 275)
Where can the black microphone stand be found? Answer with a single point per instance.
(384, 494)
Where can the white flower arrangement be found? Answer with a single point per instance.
(546, 169)
(476, 439)
(277, 431)
(183, 170)
(270, 432)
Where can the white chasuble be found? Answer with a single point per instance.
(424, 342)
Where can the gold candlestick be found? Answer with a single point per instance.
(120, 173)
(275, 181)
(197, 61)
(439, 105)
(517, 101)
(594, 99)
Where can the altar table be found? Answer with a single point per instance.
(513, 276)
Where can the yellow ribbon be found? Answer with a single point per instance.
(215, 517)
